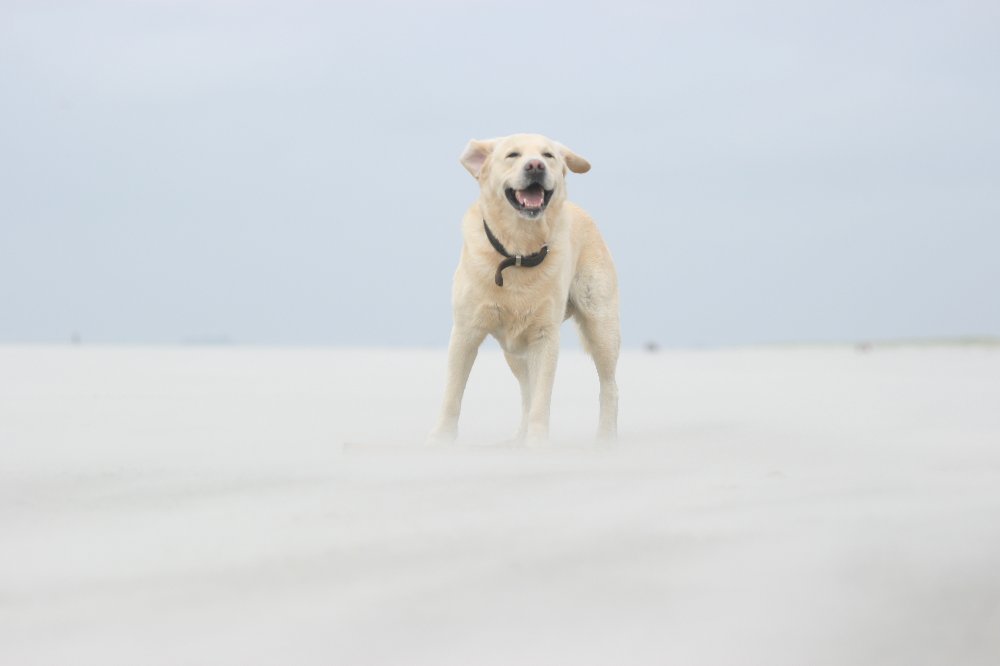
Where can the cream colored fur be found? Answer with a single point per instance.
(577, 279)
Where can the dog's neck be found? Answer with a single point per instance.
(518, 234)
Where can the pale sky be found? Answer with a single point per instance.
(763, 172)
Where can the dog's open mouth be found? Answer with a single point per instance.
(532, 200)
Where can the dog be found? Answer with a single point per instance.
(530, 260)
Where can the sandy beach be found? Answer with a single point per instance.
(239, 505)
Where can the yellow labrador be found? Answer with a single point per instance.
(530, 259)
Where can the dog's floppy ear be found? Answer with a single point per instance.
(575, 163)
(475, 155)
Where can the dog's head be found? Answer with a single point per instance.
(527, 171)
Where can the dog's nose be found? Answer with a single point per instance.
(535, 166)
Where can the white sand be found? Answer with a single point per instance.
(250, 506)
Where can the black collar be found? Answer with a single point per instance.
(528, 260)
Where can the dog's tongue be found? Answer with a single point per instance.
(531, 198)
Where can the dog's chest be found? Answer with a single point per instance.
(518, 322)
(529, 306)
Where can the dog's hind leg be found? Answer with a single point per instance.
(602, 340)
(594, 300)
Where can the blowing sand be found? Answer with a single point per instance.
(269, 506)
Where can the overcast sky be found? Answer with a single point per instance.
(287, 172)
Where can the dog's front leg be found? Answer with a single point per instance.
(542, 357)
(462, 352)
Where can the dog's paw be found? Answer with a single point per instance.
(536, 441)
(439, 438)
(606, 438)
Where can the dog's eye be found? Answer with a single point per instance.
(510, 155)
(548, 155)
